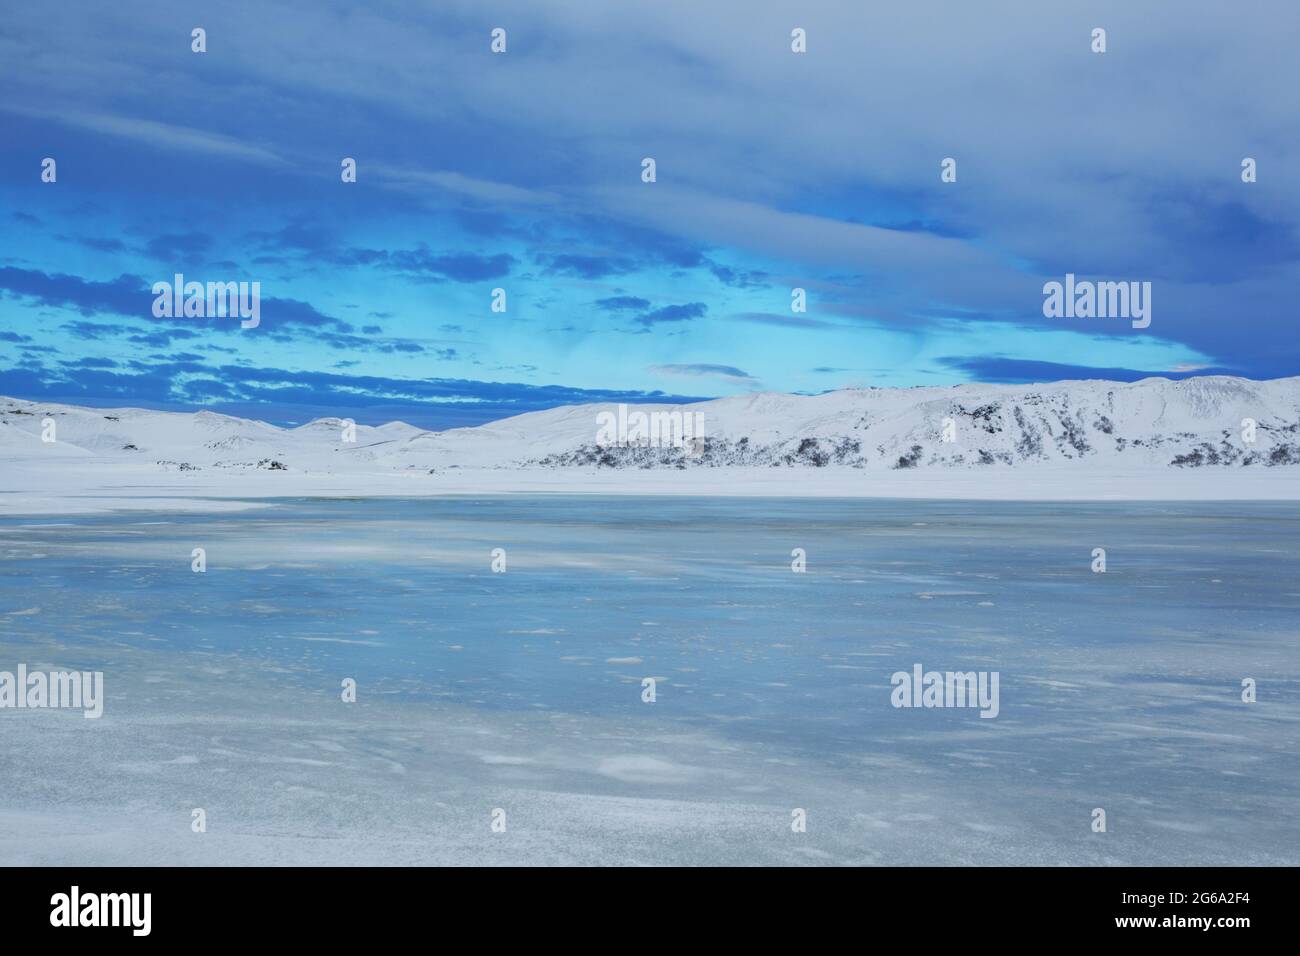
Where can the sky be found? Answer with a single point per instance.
(523, 171)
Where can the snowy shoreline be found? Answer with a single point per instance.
(102, 487)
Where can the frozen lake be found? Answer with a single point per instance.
(522, 690)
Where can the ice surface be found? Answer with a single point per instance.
(522, 690)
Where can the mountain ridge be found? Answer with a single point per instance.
(1092, 424)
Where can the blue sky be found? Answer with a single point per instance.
(523, 171)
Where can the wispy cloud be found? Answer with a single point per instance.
(728, 372)
(162, 135)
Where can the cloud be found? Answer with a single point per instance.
(153, 133)
(96, 243)
(472, 187)
(1137, 180)
(780, 319)
(585, 266)
(130, 296)
(728, 372)
(125, 295)
(162, 338)
(421, 263)
(673, 313)
(301, 237)
(739, 278)
(90, 362)
(620, 303)
(994, 368)
(459, 267)
(953, 270)
(178, 247)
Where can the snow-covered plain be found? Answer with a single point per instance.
(1151, 440)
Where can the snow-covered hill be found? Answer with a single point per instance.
(1089, 426)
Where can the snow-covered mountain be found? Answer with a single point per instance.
(1092, 426)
